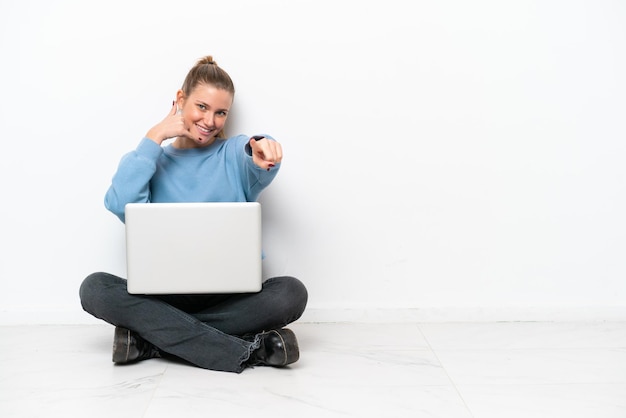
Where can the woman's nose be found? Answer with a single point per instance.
(209, 118)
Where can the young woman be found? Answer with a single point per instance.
(217, 332)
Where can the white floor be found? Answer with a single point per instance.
(502, 370)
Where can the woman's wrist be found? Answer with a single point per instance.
(154, 135)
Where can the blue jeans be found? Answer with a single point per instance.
(204, 330)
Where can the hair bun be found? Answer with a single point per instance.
(208, 60)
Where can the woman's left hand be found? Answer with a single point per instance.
(266, 153)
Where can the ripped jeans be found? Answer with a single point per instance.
(204, 330)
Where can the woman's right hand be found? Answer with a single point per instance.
(172, 126)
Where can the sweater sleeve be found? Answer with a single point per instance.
(255, 178)
(131, 181)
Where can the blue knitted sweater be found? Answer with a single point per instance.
(220, 172)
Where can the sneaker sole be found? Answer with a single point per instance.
(121, 345)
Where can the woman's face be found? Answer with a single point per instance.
(204, 112)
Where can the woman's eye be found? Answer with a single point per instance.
(202, 107)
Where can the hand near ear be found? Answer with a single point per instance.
(266, 153)
(172, 126)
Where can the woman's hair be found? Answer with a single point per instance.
(206, 71)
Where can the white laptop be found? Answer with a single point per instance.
(190, 248)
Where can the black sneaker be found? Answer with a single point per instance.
(128, 347)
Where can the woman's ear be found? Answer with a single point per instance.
(180, 99)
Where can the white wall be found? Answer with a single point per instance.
(450, 159)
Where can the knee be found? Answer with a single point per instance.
(93, 289)
(298, 291)
(89, 285)
(294, 293)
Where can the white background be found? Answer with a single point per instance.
(445, 158)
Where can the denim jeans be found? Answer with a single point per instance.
(204, 330)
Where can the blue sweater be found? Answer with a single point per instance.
(220, 172)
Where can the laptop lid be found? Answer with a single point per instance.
(187, 248)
